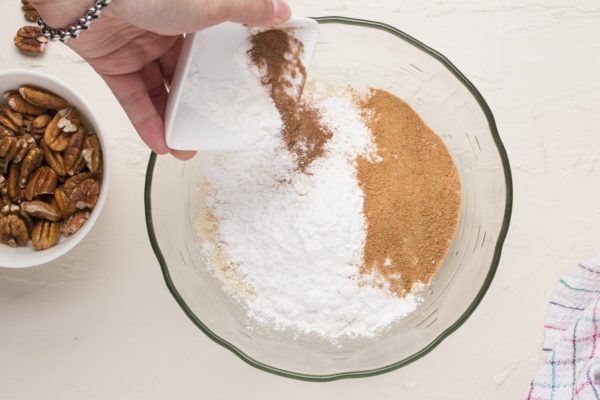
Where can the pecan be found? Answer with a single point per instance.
(62, 202)
(28, 221)
(5, 132)
(92, 154)
(85, 195)
(45, 234)
(13, 231)
(43, 99)
(73, 151)
(30, 40)
(9, 93)
(41, 121)
(69, 120)
(14, 116)
(27, 126)
(79, 165)
(53, 159)
(10, 208)
(8, 147)
(76, 180)
(75, 222)
(24, 144)
(18, 104)
(12, 183)
(6, 122)
(42, 181)
(32, 160)
(54, 137)
(41, 209)
(29, 11)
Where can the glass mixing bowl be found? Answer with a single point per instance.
(360, 53)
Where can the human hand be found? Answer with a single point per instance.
(135, 45)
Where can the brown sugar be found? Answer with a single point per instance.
(411, 195)
(278, 55)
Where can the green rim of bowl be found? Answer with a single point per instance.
(486, 284)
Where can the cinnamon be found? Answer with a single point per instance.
(278, 55)
(411, 195)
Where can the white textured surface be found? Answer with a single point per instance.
(100, 323)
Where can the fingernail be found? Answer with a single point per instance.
(183, 155)
(281, 10)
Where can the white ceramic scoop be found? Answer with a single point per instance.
(212, 55)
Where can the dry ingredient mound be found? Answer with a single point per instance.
(277, 55)
(412, 194)
(336, 223)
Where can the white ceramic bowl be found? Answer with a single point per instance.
(26, 256)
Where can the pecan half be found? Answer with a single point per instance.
(24, 144)
(45, 234)
(28, 221)
(8, 147)
(41, 209)
(10, 208)
(13, 231)
(12, 183)
(76, 180)
(75, 222)
(42, 181)
(70, 120)
(15, 117)
(73, 151)
(85, 195)
(43, 99)
(29, 11)
(32, 160)
(54, 137)
(53, 159)
(5, 132)
(18, 104)
(30, 40)
(63, 203)
(9, 93)
(92, 154)
(6, 122)
(41, 121)
(79, 165)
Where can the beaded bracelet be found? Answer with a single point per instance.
(73, 31)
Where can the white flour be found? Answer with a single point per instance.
(245, 101)
(297, 239)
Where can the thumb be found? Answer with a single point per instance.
(251, 12)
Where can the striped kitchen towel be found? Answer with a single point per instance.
(571, 353)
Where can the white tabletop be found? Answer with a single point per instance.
(100, 323)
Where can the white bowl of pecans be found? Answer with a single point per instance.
(53, 168)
